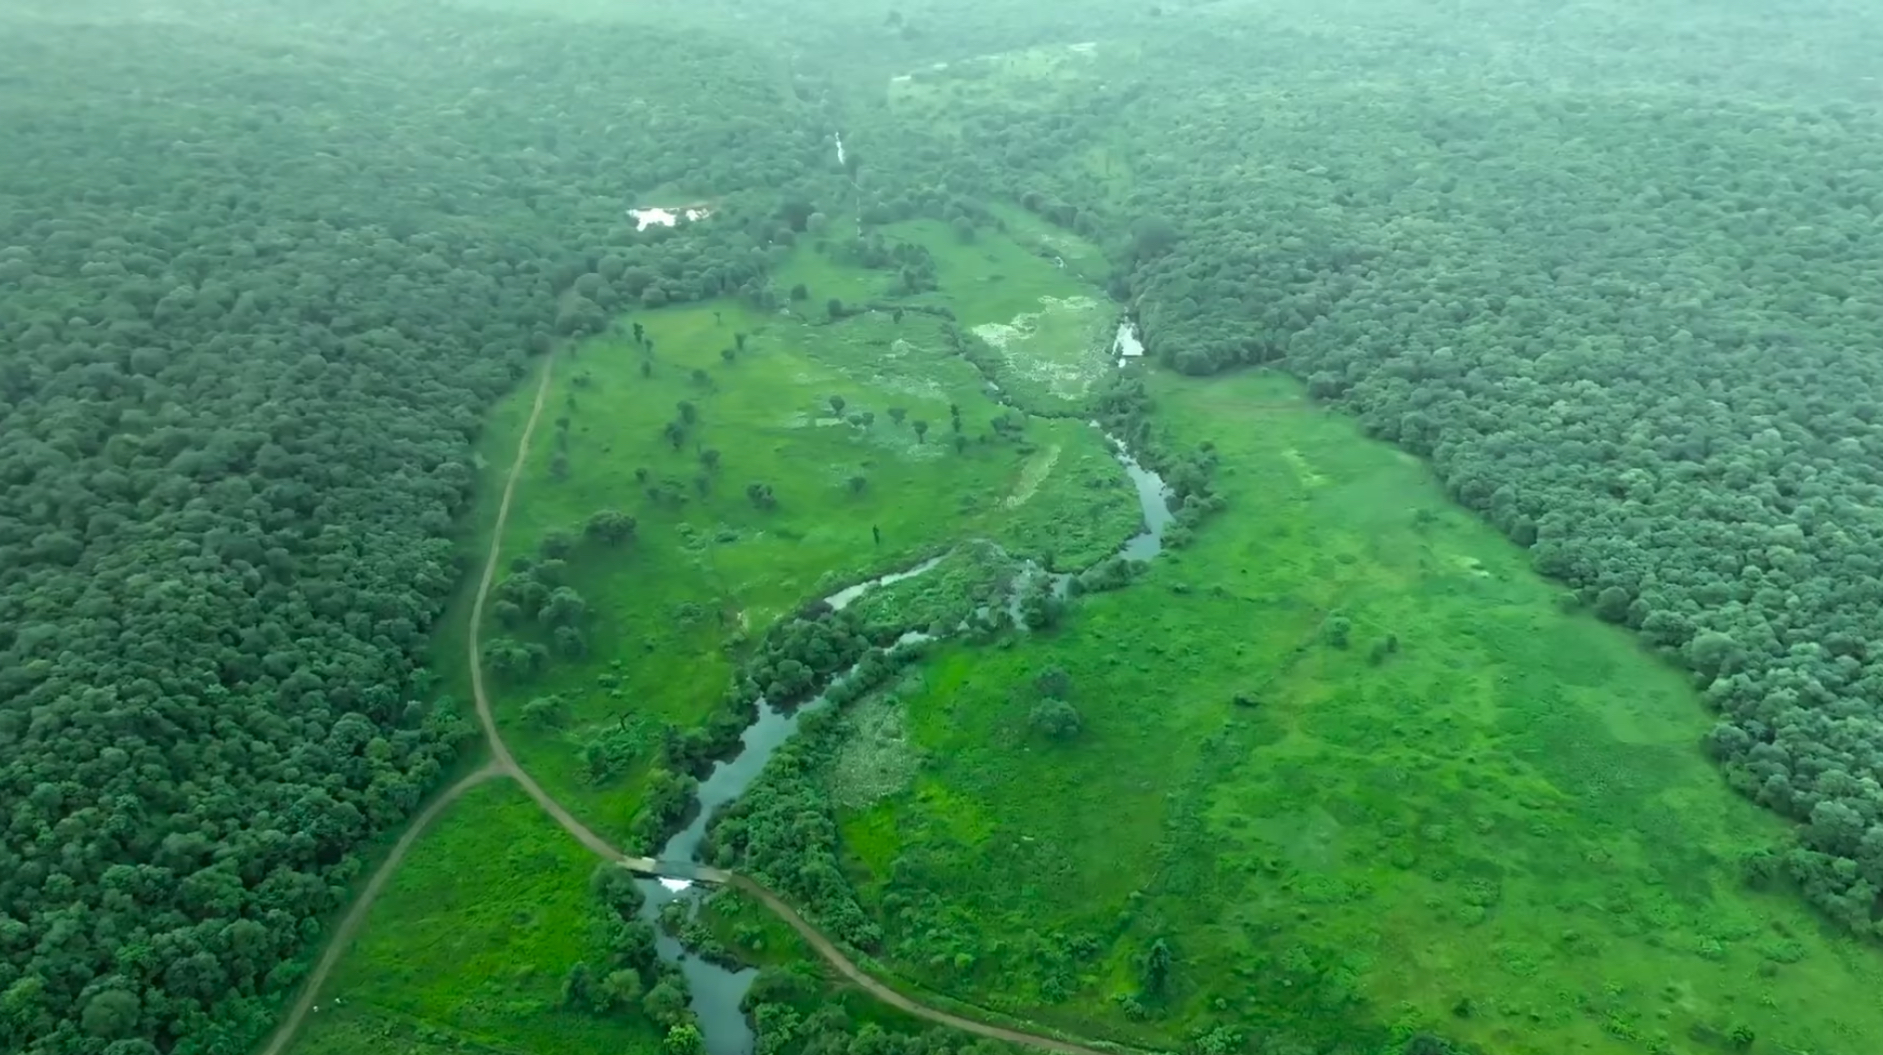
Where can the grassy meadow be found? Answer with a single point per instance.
(468, 947)
(1350, 762)
(828, 415)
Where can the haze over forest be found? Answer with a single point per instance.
(1218, 527)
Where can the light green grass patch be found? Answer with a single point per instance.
(1501, 830)
(1036, 78)
(709, 570)
(473, 938)
(1055, 355)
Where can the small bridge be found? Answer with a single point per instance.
(695, 873)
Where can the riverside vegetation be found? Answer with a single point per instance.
(1339, 773)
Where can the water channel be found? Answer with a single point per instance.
(717, 991)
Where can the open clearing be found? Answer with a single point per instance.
(1501, 827)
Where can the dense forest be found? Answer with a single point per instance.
(256, 288)
(263, 273)
(1664, 385)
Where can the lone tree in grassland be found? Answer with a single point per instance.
(896, 414)
(921, 431)
(1054, 682)
(858, 483)
(1337, 630)
(710, 458)
(837, 403)
(1057, 719)
(688, 412)
(611, 526)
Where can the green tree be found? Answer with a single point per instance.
(1056, 719)
(610, 526)
(683, 1039)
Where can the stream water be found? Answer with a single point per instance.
(718, 991)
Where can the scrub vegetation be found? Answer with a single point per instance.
(1505, 680)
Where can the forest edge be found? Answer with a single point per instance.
(503, 763)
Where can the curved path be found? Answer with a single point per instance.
(503, 763)
(350, 925)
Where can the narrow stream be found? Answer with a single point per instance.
(717, 991)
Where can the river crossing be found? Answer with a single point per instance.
(717, 991)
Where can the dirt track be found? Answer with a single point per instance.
(503, 763)
(350, 925)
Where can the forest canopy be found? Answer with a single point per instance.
(255, 293)
(262, 273)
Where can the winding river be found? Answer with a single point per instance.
(717, 991)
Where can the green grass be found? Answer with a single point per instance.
(1507, 817)
(673, 611)
(473, 940)
(1027, 79)
(1030, 292)
(470, 944)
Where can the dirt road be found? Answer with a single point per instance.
(835, 957)
(503, 763)
(350, 925)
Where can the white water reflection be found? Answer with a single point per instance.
(839, 137)
(654, 216)
(842, 598)
(1127, 344)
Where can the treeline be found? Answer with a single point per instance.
(1639, 338)
(1669, 394)
(256, 289)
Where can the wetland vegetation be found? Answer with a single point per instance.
(1456, 633)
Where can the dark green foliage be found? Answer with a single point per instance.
(556, 545)
(1154, 974)
(1053, 682)
(248, 326)
(1337, 630)
(545, 712)
(1055, 719)
(610, 526)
